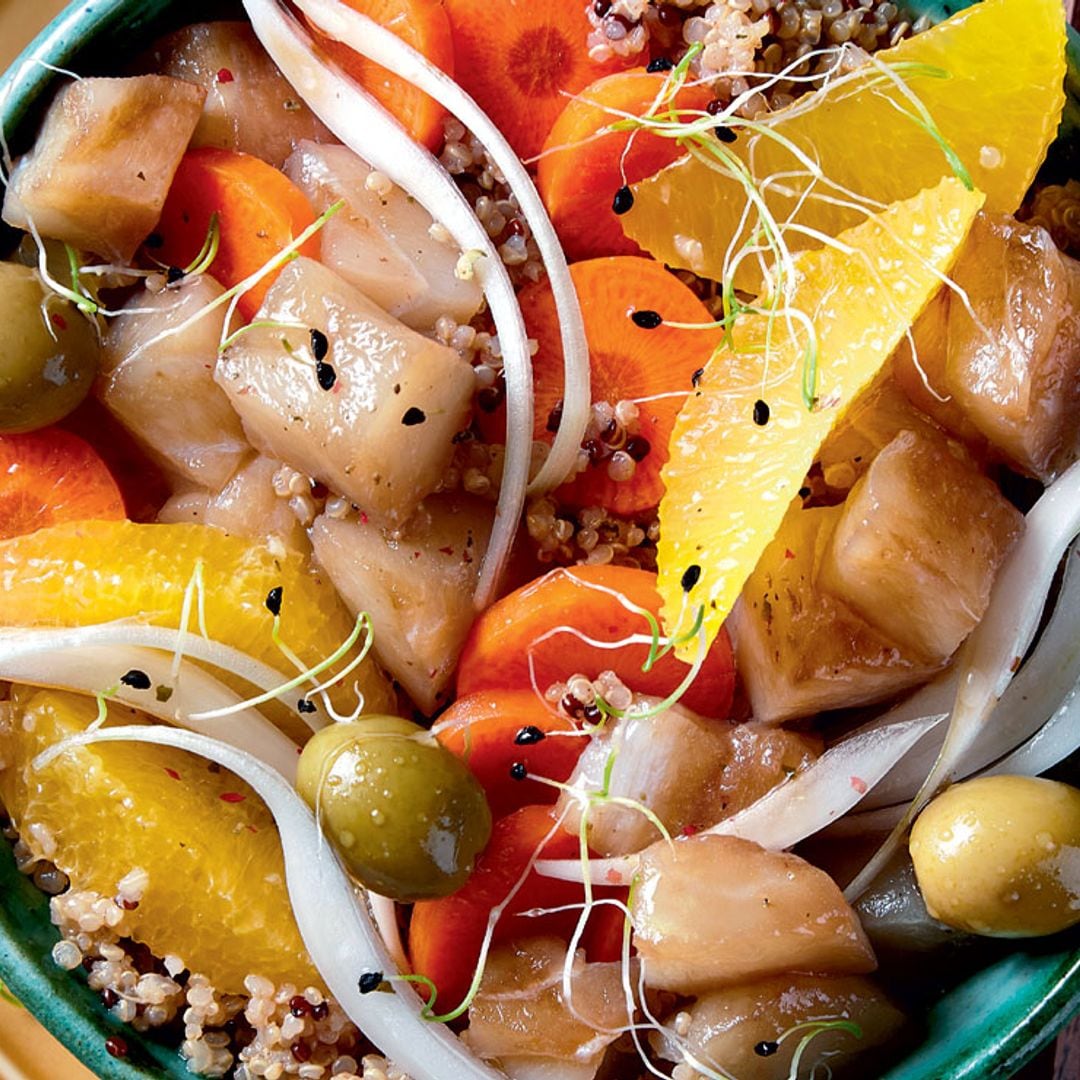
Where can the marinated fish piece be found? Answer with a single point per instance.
(417, 585)
(918, 545)
(248, 505)
(520, 1008)
(102, 164)
(725, 1026)
(345, 393)
(249, 105)
(715, 910)
(383, 241)
(163, 391)
(1015, 366)
(802, 650)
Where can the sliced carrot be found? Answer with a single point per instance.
(498, 729)
(49, 477)
(445, 935)
(586, 598)
(603, 936)
(424, 25)
(581, 172)
(520, 58)
(654, 368)
(141, 482)
(260, 211)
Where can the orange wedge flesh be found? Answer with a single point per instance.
(744, 441)
(216, 893)
(93, 572)
(998, 106)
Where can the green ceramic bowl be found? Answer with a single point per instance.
(988, 1025)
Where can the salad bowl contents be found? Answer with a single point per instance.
(539, 540)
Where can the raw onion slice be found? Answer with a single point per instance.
(367, 129)
(332, 917)
(1056, 740)
(812, 800)
(28, 657)
(992, 654)
(364, 35)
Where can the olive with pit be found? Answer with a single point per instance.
(407, 817)
(1000, 856)
(49, 354)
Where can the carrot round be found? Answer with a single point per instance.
(49, 477)
(260, 211)
(445, 935)
(520, 58)
(583, 175)
(630, 360)
(424, 25)
(495, 730)
(586, 598)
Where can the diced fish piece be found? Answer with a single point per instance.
(249, 105)
(382, 240)
(164, 391)
(103, 162)
(918, 545)
(417, 585)
(352, 397)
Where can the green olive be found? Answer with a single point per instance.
(999, 856)
(44, 374)
(406, 815)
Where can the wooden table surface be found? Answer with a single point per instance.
(26, 1050)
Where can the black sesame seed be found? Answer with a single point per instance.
(136, 679)
(413, 417)
(804, 493)
(554, 419)
(623, 201)
(724, 134)
(174, 274)
(305, 706)
(761, 413)
(529, 735)
(647, 320)
(320, 346)
(491, 397)
(273, 600)
(691, 576)
(518, 771)
(638, 448)
(695, 379)
(766, 1048)
(326, 375)
(154, 241)
(661, 63)
(370, 981)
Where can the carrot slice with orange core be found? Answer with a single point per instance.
(50, 477)
(260, 211)
(520, 58)
(632, 358)
(582, 172)
(424, 25)
(518, 642)
(500, 730)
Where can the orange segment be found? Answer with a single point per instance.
(51, 476)
(580, 170)
(652, 367)
(998, 108)
(521, 58)
(74, 575)
(423, 24)
(216, 893)
(744, 441)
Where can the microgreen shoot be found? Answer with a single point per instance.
(209, 250)
(814, 1028)
(261, 324)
